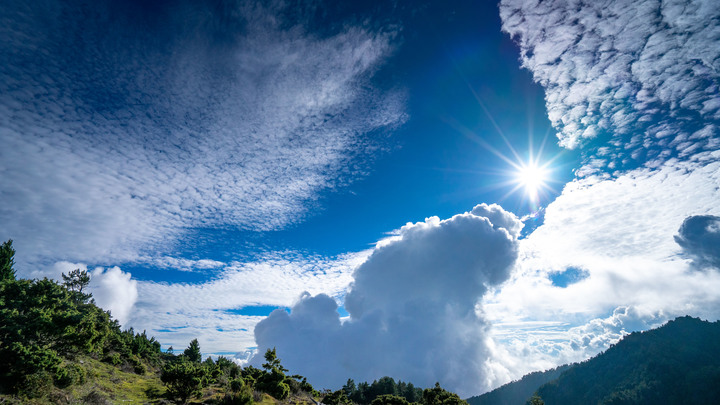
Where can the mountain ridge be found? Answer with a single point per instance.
(677, 363)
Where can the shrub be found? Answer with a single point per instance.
(241, 396)
(184, 379)
(69, 375)
(237, 384)
(36, 385)
(95, 398)
(388, 399)
(114, 358)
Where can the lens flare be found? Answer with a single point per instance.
(533, 178)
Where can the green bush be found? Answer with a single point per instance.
(389, 399)
(115, 359)
(336, 398)
(70, 375)
(237, 384)
(241, 394)
(184, 379)
(137, 364)
(36, 385)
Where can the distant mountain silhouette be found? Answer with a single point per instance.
(678, 363)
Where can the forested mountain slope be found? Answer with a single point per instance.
(517, 392)
(678, 363)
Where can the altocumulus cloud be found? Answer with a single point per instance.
(412, 305)
(124, 124)
(642, 76)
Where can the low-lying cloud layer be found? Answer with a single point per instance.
(124, 123)
(212, 312)
(412, 305)
(623, 234)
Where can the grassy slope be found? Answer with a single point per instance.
(104, 383)
(109, 384)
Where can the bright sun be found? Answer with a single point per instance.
(533, 178)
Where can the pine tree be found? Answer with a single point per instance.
(6, 261)
(193, 352)
(75, 281)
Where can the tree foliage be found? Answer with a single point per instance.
(273, 380)
(336, 398)
(388, 399)
(76, 281)
(439, 396)
(192, 353)
(677, 363)
(184, 379)
(535, 400)
(7, 261)
(43, 323)
(364, 393)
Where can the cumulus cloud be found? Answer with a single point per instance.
(412, 307)
(212, 311)
(640, 77)
(125, 124)
(622, 233)
(522, 347)
(114, 291)
(699, 236)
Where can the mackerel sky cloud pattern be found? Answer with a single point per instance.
(637, 80)
(130, 124)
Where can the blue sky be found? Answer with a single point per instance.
(356, 167)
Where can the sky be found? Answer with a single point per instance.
(461, 193)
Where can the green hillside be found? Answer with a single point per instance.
(678, 363)
(58, 347)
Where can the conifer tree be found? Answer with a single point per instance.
(76, 280)
(6, 261)
(193, 352)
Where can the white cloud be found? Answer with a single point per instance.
(643, 76)
(622, 234)
(112, 289)
(176, 313)
(115, 291)
(523, 347)
(412, 308)
(182, 264)
(117, 139)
